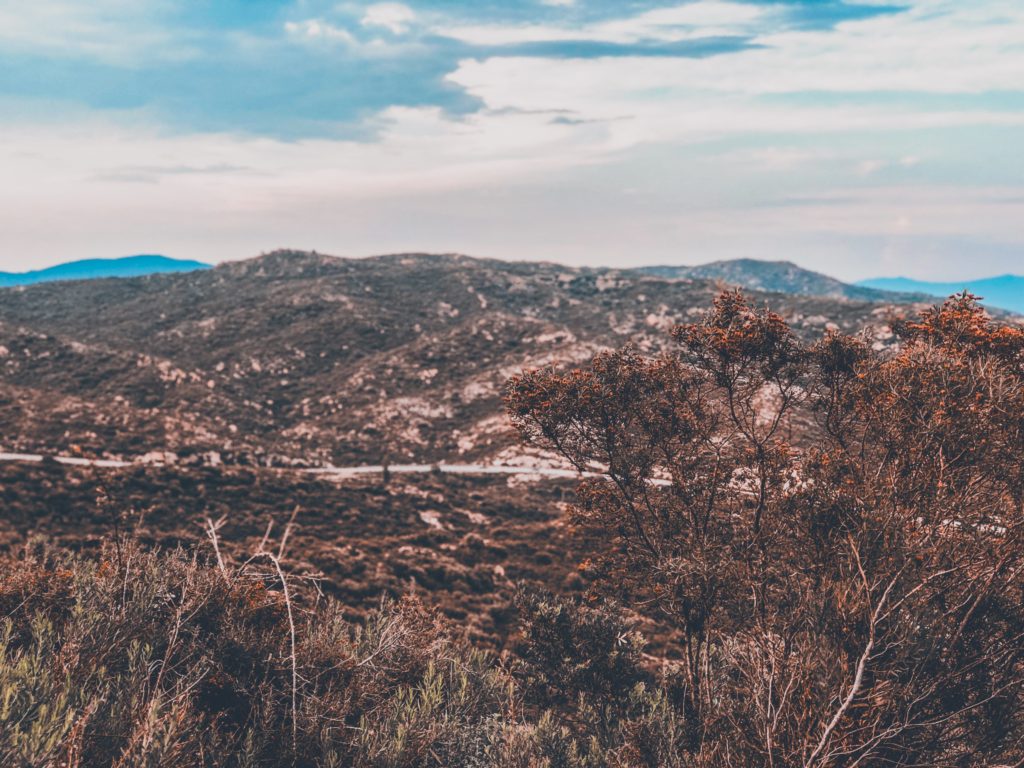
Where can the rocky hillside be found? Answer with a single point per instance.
(303, 358)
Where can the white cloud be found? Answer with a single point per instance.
(771, 159)
(557, 3)
(898, 209)
(660, 22)
(676, 104)
(937, 48)
(455, 184)
(705, 18)
(513, 180)
(419, 150)
(317, 29)
(113, 31)
(86, 174)
(868, 167)
(394, 17)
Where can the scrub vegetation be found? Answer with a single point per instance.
(826, 536)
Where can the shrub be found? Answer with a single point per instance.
(166, 660)
(141, 658)
(834, 531)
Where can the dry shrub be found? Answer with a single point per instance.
(143, 658)
(161, 660)
(834, 532)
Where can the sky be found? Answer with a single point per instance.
(859, 138)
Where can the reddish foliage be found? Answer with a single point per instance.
(834, 531)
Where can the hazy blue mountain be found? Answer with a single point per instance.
(88, 269)
(1005, 291)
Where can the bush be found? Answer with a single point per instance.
(162, 659)
(141, 658)
(834, 532)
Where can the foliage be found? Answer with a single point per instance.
(162, 660)
(834, 531)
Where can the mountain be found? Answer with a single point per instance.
(216, 381)
(777, 277)
(1005, 291)
(299, 357)
(88, 269)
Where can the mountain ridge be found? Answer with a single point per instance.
(314, 358)
(90, 269)
(778, 277)
(772, 276)
(1004, 291)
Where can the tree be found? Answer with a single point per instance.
(384, 432)
(833, 531)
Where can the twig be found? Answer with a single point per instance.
(287, 532)
(291, 631)
(862, 663)
(211, 532)
(266, 536)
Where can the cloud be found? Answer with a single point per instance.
(152, 174)
(601, 132)
(938, 48)
(394, 17)
(120, 32)
(771, 158)
(316, 29)
(705, 18)
(505, 184)
(868, 167)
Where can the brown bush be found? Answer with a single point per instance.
(835, 532)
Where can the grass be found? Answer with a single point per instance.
(135, 657)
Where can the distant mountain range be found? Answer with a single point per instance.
(779, 277)
(1005, 291)
(301, 356)
(129, 266)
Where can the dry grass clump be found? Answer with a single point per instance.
(141, 658)
(162, 659)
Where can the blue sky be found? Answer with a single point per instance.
(859, 138)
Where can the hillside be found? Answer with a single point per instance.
(90, 269)
(1005, 291)
(228, 376)
(592, 598)
(780, 277)
(298, 357)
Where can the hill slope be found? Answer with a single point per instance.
(1005, 291)
(777, 277)
(307, 358)
(88, 269)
